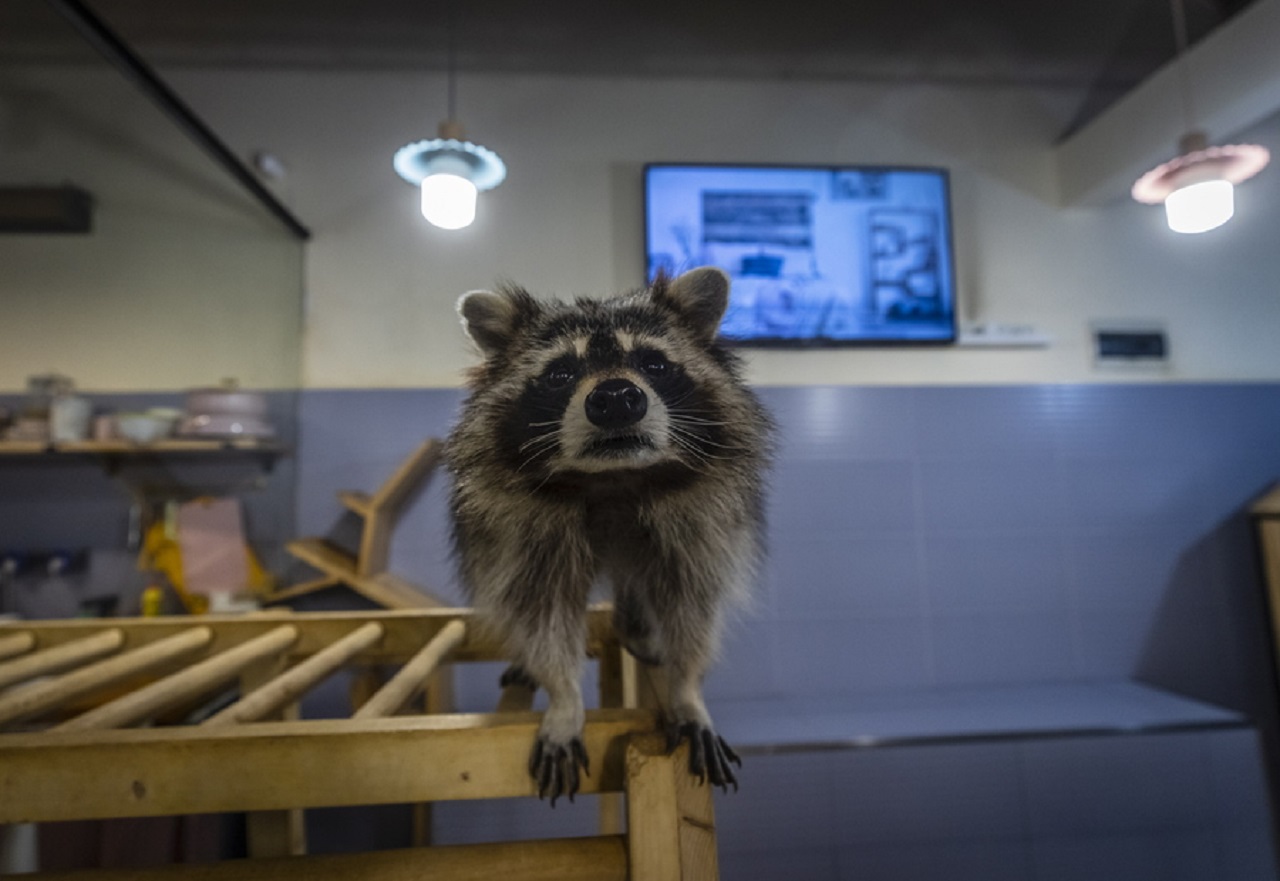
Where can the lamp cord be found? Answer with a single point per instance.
(452, 62)
(1184, 75)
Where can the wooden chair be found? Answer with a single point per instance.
(80, 753)
(366, 571)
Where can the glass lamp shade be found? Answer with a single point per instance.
(1200, 207)
(448, 200)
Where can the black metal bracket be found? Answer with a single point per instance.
(116, 51)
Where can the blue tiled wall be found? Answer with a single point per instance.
(926, 537)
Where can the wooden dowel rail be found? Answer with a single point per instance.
(389, 699)
(58, 658)
(17, 644)
(289, 686)
(191, 682)
(42, 697)
(567, 859)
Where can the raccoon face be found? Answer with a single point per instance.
(602, 386)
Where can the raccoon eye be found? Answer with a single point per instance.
(653, 364)
(559, 375)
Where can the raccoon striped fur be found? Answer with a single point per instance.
(608, 442)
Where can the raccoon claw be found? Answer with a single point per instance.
(517, 675)
(555, 767)
(710, 758)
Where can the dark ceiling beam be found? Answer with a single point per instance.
(116, 51)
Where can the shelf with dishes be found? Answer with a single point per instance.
(131, 448)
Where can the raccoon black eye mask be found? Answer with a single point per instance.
(608, 442)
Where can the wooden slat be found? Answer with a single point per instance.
(57, 658)
(354, 501)
(42, 697)
(565, 859)
(147, 772)
(1268, 505)
(383, 588)
(294, 591)
(413, 676)
(671, 834)
(17, 644)
(191, 682)
(288, 687)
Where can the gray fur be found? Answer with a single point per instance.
(554, 494)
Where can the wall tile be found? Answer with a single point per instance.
(985, 496)
(842, 422)
(855, 576)
(1175, 855)
(974, 860)
(987, 422)
(833, 656)
(836, 500)
(1107, 786)
(1002, 647)
(996, 572)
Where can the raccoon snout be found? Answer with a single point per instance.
(616, 403)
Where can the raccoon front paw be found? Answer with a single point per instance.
(517, 675)
(710, 758)
(554, 766)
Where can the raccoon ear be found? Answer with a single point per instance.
(699, 296)
(492, 319)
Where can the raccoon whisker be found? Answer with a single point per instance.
(548, 439)
(694, 435)
(690, 441)
(543, 424)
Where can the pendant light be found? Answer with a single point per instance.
(1198, 187)
(449, 170)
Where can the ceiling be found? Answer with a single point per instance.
(1096, 49)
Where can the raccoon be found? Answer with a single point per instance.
(608, 441)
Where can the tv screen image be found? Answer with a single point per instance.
(817, 255)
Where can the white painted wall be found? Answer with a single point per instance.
(382, 283)
(184, 279)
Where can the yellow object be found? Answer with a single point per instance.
(161, 553)
(152, 600)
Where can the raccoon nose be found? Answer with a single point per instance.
(616, 403)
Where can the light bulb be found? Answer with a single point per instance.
(448, 200)
(1200, 207)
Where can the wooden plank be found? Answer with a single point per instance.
(16, 644)
(387, 502)
(612, 694)
(325, 556)
(566, 859)
(294, 591)
(354, 501)
(653, 846)
(288, 687)
(58, 658)
(1269, 543)
(147, 772)
(42, 697)
(273, 833)
(197, 679)
(1269, 504)
(413, 676)
(671, 834)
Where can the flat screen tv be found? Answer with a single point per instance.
(818, 256)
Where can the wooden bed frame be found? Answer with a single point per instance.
(72, 749)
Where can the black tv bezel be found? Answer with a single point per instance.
(824, 342)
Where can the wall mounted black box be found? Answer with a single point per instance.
(62, 209)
